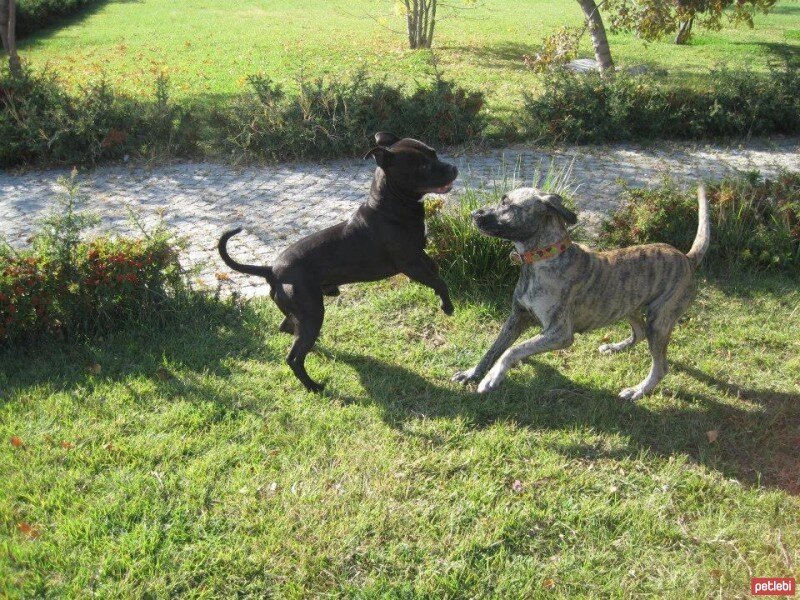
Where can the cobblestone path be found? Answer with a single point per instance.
(278, 204)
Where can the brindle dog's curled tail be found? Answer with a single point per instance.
(703, 237)
(265, 272)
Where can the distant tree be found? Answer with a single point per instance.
(649, 20)
(421, 19)
(420, 22)
(8, 29)
(652, 19)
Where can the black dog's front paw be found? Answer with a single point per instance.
(447, 307)
(314, 387)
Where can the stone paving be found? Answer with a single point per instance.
(281, 203)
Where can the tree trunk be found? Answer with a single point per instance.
(602, 52)
(684, 31)
(8, 29)
(420, 21)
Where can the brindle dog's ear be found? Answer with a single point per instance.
(556, 204)
(384, 138)
(383, 156)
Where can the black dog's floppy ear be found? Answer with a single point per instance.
(555, 203)
(384, 138)
(382, 156)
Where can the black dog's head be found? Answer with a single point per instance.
(524, 214)
(411, 166)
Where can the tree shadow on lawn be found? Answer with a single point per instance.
(757, 449)
(25, 37)
(502, 55)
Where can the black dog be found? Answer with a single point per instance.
(385, 236)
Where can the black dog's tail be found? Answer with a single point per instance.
(265, 272)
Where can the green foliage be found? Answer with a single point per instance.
(755, 222)
(651, 19)
(36, 14)
(41, 122)
(590, 108)
(334, 118)
(66, 285)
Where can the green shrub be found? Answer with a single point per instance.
(41, 123)
(335, 118)
(755, 222)
(589, 108)
(36, 14)
(67, 285)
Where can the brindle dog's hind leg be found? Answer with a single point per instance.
(637, 334)
(662, 315)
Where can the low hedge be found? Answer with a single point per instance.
(579, 108)
(41, 123)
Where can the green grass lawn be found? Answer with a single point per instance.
(193, 464)
(208, 47)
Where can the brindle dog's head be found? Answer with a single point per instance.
(524, 214)
(411, 166)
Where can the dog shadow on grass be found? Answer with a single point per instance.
(755, 450)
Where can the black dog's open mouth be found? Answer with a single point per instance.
(441, 190)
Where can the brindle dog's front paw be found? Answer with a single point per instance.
(490, 383)
(465, 377)
(632, 393)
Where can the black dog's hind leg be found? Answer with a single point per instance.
(309, 324)
(425, 271)
(287, 325)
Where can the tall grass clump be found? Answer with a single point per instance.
(469, 259)
(755, 221)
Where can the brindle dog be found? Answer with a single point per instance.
(568, 288)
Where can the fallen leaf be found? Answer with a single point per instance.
(516, 486)
(549, 584)
(28, 530)
(607, 337)
(712, 436)
(109, 446)
(94, 369)
(163, 374)
(17, 442)
(67, 445)
(222, 276)
(715, 573)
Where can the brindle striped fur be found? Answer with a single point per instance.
(580, 290)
